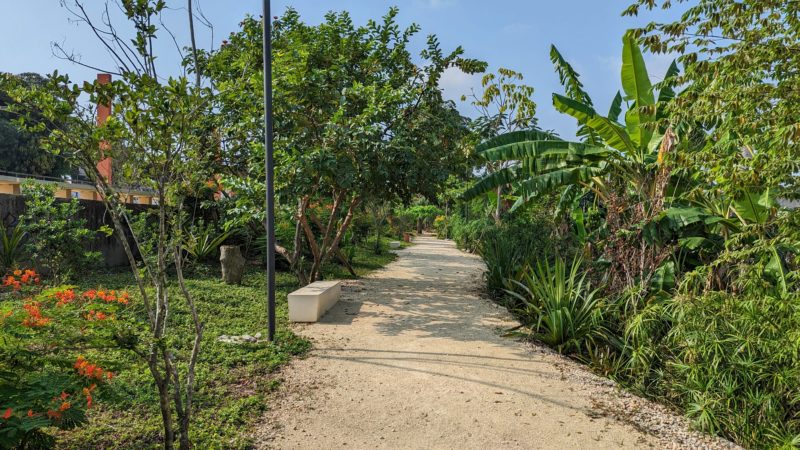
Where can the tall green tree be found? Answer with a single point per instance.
(505, 105)
(742, 69)
(162, 121)
(356, 118)
(19, 149)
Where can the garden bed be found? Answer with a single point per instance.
(234, 381)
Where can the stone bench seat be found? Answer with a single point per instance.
(309, 303)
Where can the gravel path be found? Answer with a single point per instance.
(412, 357)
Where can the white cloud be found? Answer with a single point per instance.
(436, 4)
(455, 83)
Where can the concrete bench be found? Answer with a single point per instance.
(309, 303)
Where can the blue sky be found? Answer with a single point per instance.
(506, 33)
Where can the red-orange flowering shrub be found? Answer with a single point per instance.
(34, 318)
(52, 385)
(19, 279)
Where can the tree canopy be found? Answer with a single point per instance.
(356, 118)
(20, 151)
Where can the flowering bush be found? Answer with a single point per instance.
(46, 334)
(440, 224)
(20, 279)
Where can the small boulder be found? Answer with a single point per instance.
(232, 263)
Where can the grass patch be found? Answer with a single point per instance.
(234, 381)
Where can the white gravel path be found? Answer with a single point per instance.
(412, 357)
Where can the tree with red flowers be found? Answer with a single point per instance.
(46, 380)
(158, 135)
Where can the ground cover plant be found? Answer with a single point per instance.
(122, 412)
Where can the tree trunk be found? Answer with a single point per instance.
(312, 244)
(345, 262)
(162, 384)
(325, 251)
(377, 239)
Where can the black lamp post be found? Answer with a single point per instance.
(270, 169)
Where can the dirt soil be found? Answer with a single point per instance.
(413, 357)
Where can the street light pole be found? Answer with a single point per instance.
(270, 169)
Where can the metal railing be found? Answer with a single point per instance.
(77, 179)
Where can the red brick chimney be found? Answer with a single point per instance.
(103, 111)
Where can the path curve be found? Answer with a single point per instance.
(412, 357)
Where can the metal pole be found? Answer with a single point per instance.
(270, 169)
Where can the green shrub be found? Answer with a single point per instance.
(56, 232)
(467, 234)
(442, 227)
(733, 365)
(202, 242)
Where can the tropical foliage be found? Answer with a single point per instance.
(567, 311)
(660, 245)
(686, 246)
(55, 231)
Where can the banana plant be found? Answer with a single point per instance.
(542, 162)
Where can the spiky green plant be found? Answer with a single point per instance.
(560, 306)
(203, 242)
(10, 247)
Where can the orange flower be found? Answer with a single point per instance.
(65, 297)
(124, 298)
(97, 316)
(64, 395)
(88, 393)
(17, 273)
(89, 370)
(30, 413)
(64, 406)
(53, 414)
(34, 318)
(7, 414)
(110, 296)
